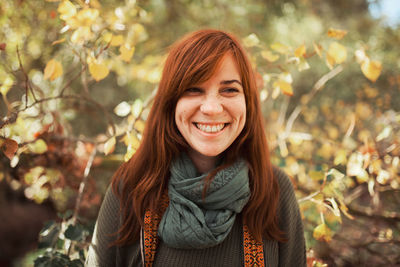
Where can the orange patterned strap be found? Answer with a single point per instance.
(253, 250)
(150, 239)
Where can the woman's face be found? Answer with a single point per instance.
(211, 115)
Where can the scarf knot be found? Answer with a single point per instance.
(193, 222)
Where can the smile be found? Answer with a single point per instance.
(210, 128)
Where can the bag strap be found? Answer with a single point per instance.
(252, 249)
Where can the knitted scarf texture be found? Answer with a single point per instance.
(193, 222)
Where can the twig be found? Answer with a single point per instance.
(71, 80)
(308, 197)
(318, 86)
(351, 126)
(27, 86)
(82, 186)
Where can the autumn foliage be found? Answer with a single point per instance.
(76, 90)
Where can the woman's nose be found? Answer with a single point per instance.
(211, 105)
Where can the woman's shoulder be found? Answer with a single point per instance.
(286, 189)
(283, 179)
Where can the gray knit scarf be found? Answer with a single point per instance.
(190, 222)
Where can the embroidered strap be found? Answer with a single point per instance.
(253, 250)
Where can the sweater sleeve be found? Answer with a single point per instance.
(100, 252)
(292, 252)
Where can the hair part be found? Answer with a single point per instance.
(141, 182)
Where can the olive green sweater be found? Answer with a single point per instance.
(228, 253)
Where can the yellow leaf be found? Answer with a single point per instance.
(322, 233)
(344, 209)
(337, 34)
(81, 34)
(251, 40)
(139, 125)
(53, 70)
(126, 52)
(303, 65)
(66, 10)
(58, 41)
(355, 168)
(130, 139)
(300, 51)
(337, 53)
(341, 157)
(360, 55)
(87, 16)
(38, 147)
(316, 175)
(109, 145)
(7, 83)
(371, 69)
(98, 70)
(284, 86)
(137, 107)
(268, 55)
(129, 153)
(280, 48)
(117, 40)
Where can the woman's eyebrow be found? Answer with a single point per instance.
(231, 81)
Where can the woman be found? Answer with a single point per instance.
(200, 190)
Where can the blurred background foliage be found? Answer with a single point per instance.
(77, 79)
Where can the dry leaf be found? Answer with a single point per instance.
(53, 70)
(280, 48)
(58, 41)
(337, 34)
(109, 146)
(9, 147)
(300, 51)
(323, 233)
(268, 55)
(66, 10)
(371, 69)
(318, 49)
(284, 86)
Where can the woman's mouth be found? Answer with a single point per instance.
(210, 128)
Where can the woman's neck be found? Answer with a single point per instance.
(203, 163)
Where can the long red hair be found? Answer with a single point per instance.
(140, 182)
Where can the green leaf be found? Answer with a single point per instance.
(49, 234)
(74, 232)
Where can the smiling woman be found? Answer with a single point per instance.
(212, 114)
(200, 190)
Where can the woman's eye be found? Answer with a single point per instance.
(230, 90)
(193, 90)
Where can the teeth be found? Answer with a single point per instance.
(210, 129)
